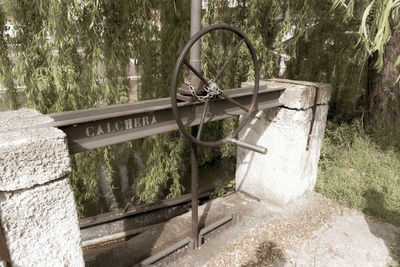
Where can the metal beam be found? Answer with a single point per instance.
(114, 216)
(98, 127)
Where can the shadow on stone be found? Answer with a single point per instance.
(267, 254)
(261, 124)
(203, 217)
(388, 233)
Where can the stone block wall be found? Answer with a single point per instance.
(37, 207)
(39, 223)
(291, 164)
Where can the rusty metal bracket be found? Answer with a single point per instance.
(314, 113)
(212, 227)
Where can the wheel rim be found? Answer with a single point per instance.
(181, 61)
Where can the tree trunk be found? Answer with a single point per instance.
(383, 95)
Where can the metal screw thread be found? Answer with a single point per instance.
(195, 201)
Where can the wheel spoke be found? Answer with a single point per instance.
(195, 72)
(219, 73)
(203, 116)
(234, 101)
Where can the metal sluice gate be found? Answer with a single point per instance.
(198, 101)
(194, 103)
(203, 101)
(98, 127)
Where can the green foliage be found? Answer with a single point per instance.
(163, 155)
(85, 178)
(223, 187)
(323, 49)
(317, 40)
(69, 55)
(266, 24)
(5, 66)
(378, 21)
(161, 176)
(262, 21)
(361, 171)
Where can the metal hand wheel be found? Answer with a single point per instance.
(210, 90)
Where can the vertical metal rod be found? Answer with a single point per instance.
(195, 27)
(195, 183)
(203, 116)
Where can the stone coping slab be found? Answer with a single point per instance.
(30, 156)
(298, 94)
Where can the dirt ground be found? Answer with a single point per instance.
(310, 231)
(314, 231)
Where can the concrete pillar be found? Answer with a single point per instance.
(37, 207)
(291, 164)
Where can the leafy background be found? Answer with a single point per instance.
(68, 55)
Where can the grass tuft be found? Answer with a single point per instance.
(361, 171)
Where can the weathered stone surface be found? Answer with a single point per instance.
(30, 156)
(288, 169)
(21, 118)
(37, 207)
(301, 94)
(41, 226)
(298, 94)
(311, 231)
(347, 240)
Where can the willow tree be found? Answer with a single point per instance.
(352, 44)
(315, 41)
(379, 37)
(68, 55)
(74, 54)
(163, 155)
